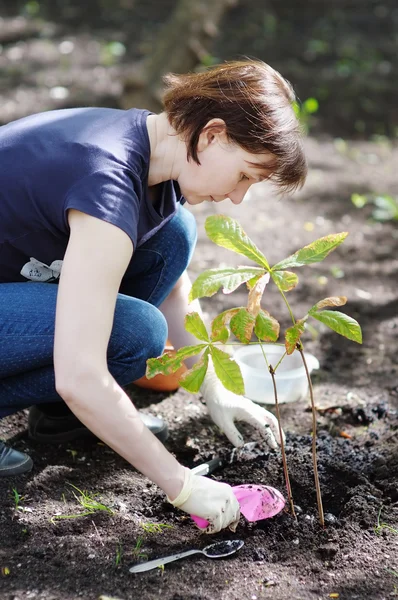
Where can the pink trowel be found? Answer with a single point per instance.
(256, 502)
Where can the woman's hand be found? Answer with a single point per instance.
(225, 407)
(211, 500)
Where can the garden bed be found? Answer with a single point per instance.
(356, 391)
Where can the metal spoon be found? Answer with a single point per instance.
(217, 550)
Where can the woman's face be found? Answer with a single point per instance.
(224, 172)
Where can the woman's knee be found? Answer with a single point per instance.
(139, 332)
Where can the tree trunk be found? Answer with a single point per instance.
(182, 43)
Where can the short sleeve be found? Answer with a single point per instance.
(112, 195)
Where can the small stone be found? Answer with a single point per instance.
(309, 518)
(297, 509)
(91, 556)
(296, 541)
(330, 519)
(259, 555)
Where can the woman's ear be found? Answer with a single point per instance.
(214, 131)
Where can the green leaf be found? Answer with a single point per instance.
(242, 325)
(219, 331)
(227, 232)
(170, 362)
(340, 323)
(314, 252)
(192, 379)
(284, 280)
(210, 281)
(252, 282)
(332, 301)
(266, 328)
(292, 336)
(227, 370)
(194, 324)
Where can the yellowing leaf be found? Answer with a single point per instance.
(227, 371)
(219, 331)
(227, 232)
(314, 252)
(284, 280)
(242, 325)
(256, 294)
(193, 378)
(332, 301)
(195, 325)
(210, 281)
(266, 328)
(292, 336)
(252, 282)
(171, 361)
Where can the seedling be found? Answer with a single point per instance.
(73, 453)
(246, 321)
(137, 554)
(119, 554)
(380, 526)
(155, 527)
(17, 499)
(88, 502)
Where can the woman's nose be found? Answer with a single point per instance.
(238, 194)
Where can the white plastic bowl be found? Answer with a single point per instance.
(290, 376)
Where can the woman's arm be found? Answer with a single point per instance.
(95, 261)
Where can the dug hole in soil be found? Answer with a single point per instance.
(356, 391)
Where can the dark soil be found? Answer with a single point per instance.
(356, 392)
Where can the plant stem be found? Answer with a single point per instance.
(285, 469)
(278, 416)
(288, 306)
(314, 456)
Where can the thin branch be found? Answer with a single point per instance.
(314, 456)
(285, 469)
(278, 416)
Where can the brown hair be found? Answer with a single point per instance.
(254, 101)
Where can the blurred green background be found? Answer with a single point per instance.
(340, 55)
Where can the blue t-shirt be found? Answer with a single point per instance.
(95, 160)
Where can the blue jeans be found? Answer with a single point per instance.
(27, 319)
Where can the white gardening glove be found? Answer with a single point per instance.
(211, 500)
(225, 407)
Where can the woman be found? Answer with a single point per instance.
(98, 193)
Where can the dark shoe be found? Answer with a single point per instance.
(45, 425)
(13, 462)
